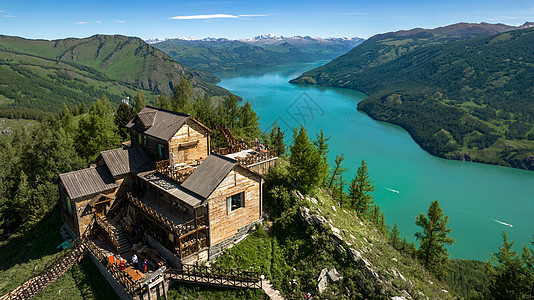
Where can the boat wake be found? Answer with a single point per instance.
(506, 224)
(392, 190)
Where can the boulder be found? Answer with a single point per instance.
(333, 275)
(322, 285)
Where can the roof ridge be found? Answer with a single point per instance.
(169, 111)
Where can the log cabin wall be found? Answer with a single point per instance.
(190, 132)
(67, 209)
(151, 145)
(224, 224)
(84, 211)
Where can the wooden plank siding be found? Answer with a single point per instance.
(224, 224)
(191, 131)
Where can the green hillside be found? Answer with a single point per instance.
(467, 100)
(43, 75)
(215, 55)
(386, 47)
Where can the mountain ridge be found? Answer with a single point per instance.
(465, 100)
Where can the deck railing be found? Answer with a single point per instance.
(178, 229)
(110, 233)
(215, 276)
(180, 175)
(132, 287)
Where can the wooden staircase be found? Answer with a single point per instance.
(115, 235)
(53, 270)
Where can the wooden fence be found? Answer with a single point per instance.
(215, 276)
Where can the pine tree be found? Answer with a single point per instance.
(338, 170)
(248, 121)
(394, 237)
(303, 161)
(123, 115)
(433, 239)
(97, 131)
(139, 101)
(162, 102)
(359, 190)
(321, 143)
(509, 276)
(182, 95)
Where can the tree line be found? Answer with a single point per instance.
(69, 140)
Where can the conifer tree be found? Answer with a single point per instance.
(162, 102)
(303, 161)
(182, 95)
(338, 170)
(321, 143)
(139, 101)
(433, 238)
(510, 278)
(248, 121)
(359, 190)
(394, 237)
(97, 131)
(123, 115)
(276, 139)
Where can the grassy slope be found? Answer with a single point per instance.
(293, 259)
(23, 253)
(74, 70)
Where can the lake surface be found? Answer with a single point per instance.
(476, 197)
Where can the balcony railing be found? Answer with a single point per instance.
(177, 229)
(177, 174)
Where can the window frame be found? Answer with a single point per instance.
(230, 202)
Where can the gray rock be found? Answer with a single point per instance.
(322, 274)
(322, 285)
(333, 275)
(336, 237)
(355, 255)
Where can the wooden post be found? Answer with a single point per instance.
(164, 289)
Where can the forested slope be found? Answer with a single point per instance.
(40, 75)
(469, 100)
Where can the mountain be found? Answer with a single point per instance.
(43, 75)
(220, 54)
(315, 47)
(386, 47)
(468, 100)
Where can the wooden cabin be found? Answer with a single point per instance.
(169, 188)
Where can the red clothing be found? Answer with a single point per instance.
(122, 264)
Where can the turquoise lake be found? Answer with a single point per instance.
(479, 199)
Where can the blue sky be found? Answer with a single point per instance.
(246, 19)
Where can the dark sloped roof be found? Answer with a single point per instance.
(122, 161)
(172, 188)
(164, 123)
(87, 182)
(147, 118)
(209, 174)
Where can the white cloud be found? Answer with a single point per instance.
(199, 17)
(213, 16)
(121, 21)
(8, 16)
(82, 22)
(98, 22)
(1, 11)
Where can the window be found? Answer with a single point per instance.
(144, 139)
(69, 207)
(160, 150)
(139, 138)
(235, 201)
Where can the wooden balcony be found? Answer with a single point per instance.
(178, 174)
(179, 230)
